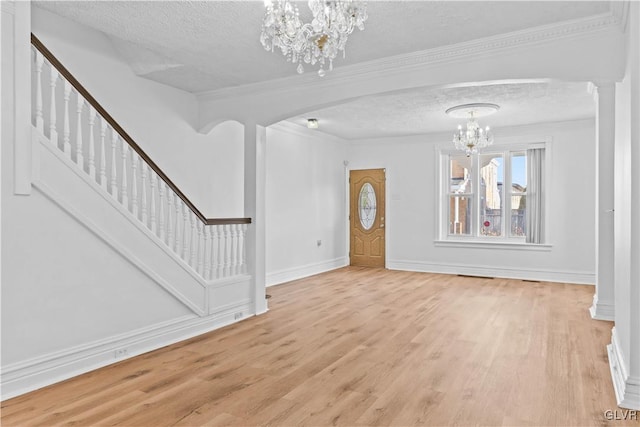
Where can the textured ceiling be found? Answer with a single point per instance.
(198, 46)
(419, 111)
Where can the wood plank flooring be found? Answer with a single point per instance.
(361, 347)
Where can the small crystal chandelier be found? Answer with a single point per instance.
(474, 137)
(315, 42)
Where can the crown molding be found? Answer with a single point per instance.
(620, 11)
(401, 63)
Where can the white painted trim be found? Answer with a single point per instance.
(289, 274)
(602, 310)
(199, 307)
(577, 277)
(23, 377)
(484, 47)
(627, 388)
(120, 249)
(227, 281)
(478, 244)
(44, 142)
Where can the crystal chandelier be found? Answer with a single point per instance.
(313, 43)
(473, 137)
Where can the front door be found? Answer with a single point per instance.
(366, 217)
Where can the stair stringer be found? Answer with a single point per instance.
(61, 180)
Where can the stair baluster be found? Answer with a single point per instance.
(199, 266)
(92, 143)
(161, 223)
(103, 155)
(243, 250)
(215, 256)
(234, 249)
(177, 226)
(213, 251)
(53, 133)
(170, 240)
(194, 240)
(114, 172)
(134, 183)
(39, 117)
(66, 132)
(227, 250)
(185, 233)
(143, 190)
(152, 207)
(124, 191)
(79, 107)
(207, 252)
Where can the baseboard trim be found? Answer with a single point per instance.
(627, 388)
(601, 310)
(295, 273)
(23, 377)
(502, 272)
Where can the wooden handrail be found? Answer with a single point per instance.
(125, 136)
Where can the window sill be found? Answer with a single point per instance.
(481, 244)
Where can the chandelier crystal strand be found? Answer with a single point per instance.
(311, 43)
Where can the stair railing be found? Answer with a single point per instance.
(76, 124)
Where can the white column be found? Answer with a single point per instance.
(254, 207)
(624, 350)
(603, 299)
(16, 89)
(632, 386)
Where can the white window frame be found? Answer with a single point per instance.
(475, 239)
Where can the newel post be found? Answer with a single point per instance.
(255, 137)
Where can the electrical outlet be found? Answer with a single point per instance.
(237, 316)
(319, 242)
(120, 353)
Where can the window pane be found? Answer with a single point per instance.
(519, 172)
(491, 177)
(459, 215)
(460, 174)
(518, 212)
(518, 200)
(367, 206)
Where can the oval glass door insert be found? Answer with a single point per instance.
(367, 206)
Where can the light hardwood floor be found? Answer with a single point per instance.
(361, 346)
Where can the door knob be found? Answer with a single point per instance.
(381, 225)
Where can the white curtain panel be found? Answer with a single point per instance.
(535, 195)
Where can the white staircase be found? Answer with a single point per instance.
(86, 163)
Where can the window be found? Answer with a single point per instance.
(488, 196)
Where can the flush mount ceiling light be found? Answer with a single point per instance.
(313, 43)
(312, 123)
(474, 137)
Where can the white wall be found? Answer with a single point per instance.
(412, 207)
(161, 119)
(61, 287)
(305, 202)
(68, 298)
(624, 351)
(622, 211)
